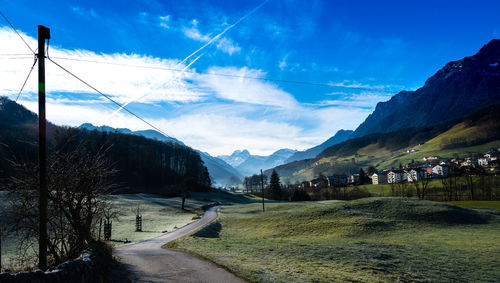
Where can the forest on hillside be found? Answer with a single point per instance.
(140, 164)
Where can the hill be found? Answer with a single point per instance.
(365, 240)
(142, 164)
(150, 134)
(222, 174)
(339, 137)
(477, 132)
(456, 90)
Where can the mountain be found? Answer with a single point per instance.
(236, 158)
(248, 164)
(339, 137)
(474, 133)
(150, 134)
(222, 174)
(457, 89)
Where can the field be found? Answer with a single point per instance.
(159, 214)
(369, 240)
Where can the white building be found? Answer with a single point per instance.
(440, 171)
(415, 175)
(396, 176)
(482, 161)
(379, 178)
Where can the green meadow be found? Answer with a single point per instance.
(158, 214)
(366, 240)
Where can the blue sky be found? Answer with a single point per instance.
(362, 52)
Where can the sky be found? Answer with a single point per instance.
(228, 75)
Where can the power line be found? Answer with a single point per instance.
(221, 75)
(31, 70)
(16, 54)
(256, 78)
(14, 29)
(108, 97)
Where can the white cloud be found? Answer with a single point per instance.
(228, 46)
(195, 34)
(224, 44)
(112, 77)
(236, 88)
(165, 21)
(282, 64)
(357, 85)
(73, 115)
(217, 114)
(364, 99)
(84, 12)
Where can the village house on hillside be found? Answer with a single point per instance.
(353, 179)
(379, 178)
(337, 180)
(415, 175)
(396, 176)
(440, 171)
(412, 172)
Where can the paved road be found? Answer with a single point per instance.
(148, 262)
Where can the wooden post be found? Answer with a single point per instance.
(0, 251)
(262, 189)
(43, 34)
(100, 226)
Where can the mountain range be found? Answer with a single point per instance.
(453, 114)
(248, 164)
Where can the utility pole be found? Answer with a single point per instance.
(262, 189)
(43, 34)
(0, 251)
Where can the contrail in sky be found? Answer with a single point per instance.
(223, 32)
(139, 98)
(200, 49)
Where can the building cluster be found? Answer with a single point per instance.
(338, 180)
(430, 169)
(433, 167)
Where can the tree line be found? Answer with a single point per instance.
(142, 165)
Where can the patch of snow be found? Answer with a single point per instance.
(494, 64)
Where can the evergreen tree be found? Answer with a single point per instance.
(362, 176)
(206, 178)
(275, 186)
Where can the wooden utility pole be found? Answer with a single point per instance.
(262, 189)
(0, 251)
(43, 34)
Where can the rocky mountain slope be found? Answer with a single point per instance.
(339, 137)
(457, 89)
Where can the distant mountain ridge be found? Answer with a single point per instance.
(221, 173)
(248, 164)
(236, 158)
(456, 90)
(150, 134)
(339, 137)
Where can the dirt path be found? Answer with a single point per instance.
(148, 262)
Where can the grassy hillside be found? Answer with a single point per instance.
(368, 240)
(159, 214)
(473, 134)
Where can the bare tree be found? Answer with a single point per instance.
(77, 181)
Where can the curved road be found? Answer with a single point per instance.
(148, 262)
